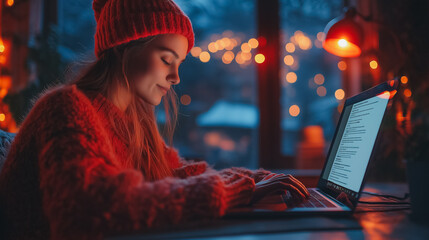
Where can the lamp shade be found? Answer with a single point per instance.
(343, 36)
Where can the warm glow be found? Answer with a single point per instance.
(341, 47)
(343, 43)
(404, 79)
(205, 56)
(246, 56)
(9, 3)
(226, 41)
(373, 64)
(319, 79)
(387, 94)
(291, 77)
(340, 108)
(2, 117)
(2, 59)
(245, 47)
(196, 51)
(220, 45)
(304, 43)
(239, 59)
(318, 43)
(342, 65)
(290, 47)
(339, 94)
(321, 91)
(212, 138)
(407, 93)
(259, 58)
(185, 99)
(321, 36)
(1, 47)
(212, 47)
(227, 57)
(3, 92)
(289, 60)
(294, 110)
(227, 145)
(253, 43)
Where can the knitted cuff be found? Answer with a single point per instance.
(239, 192)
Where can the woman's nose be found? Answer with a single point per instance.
(174, 78)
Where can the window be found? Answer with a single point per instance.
(218, 114)
(310, 79)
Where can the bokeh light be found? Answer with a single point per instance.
(259, 58)
(342, 65)
(185, 99)
(321, 91)
(319, 79)
(291, 77)
(205, 57)
(339, 94)
(294, 110)
(289, 60)
(373, 64)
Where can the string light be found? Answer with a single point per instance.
(196, 51)
(294, 110)
(288, 60)
(373, 64)
(205, 57)
(185, 99)
(290, 47)
(245, 47)
(342, 65)
(259, 58)
(319, 79)
(291, 77)
(339, 94)
(404, 79)
(321, 91)
(253, 43)
(407, 93)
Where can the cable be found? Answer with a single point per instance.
(385, 203)
(383, 210)
(406, 195)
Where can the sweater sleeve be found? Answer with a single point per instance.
(185, 168)
(87, 195)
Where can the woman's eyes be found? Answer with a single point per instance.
(167, 63)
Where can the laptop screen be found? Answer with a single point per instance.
(352, 147)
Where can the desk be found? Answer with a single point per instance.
(363, 225)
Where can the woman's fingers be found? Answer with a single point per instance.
(269, 176)
(295, 182)
(296, 193)
(300, 183)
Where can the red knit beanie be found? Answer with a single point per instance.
(121, 21)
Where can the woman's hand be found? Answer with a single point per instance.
(277, 184)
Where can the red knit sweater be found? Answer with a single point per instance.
(63, 177)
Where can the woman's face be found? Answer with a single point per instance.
(155, 67)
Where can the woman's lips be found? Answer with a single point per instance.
(163, 89)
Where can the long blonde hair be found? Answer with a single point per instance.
(140, 132)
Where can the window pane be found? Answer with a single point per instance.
(218, 114)
(311, 80)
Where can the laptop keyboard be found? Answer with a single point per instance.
(316, 201)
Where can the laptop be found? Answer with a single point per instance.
(342, 177)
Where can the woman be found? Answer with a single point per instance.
(89, 162)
